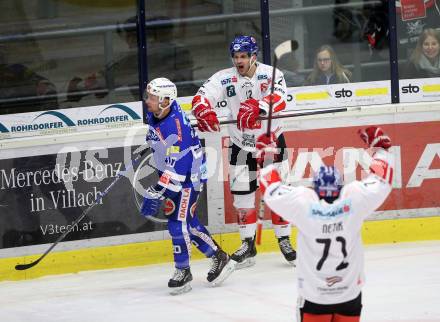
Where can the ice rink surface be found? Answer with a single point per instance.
(403, 284)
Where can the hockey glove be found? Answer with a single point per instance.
(268, 175)
(207, 120)
(152, 202)
(374, 137)
(267, 147)
(278, 104)
(247, 117)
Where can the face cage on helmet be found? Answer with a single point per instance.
(328, 192)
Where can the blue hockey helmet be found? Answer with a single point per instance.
(327, 183)
(246, 44)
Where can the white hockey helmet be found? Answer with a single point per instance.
(163, 88)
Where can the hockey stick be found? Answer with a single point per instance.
(142, 150)
(282, 49)
(298, 114)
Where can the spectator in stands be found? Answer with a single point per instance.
(425, 59)
(411, 23)
(289, 65)
(165, 58)
(22, 89)
(327, 69)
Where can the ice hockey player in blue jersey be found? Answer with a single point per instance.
(180, 163)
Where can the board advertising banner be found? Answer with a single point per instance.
(40, 196)
(338, 95)
(318, 97)
(419, 90)
(64, 121)
(416, 147)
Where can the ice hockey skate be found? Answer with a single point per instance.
(245, 255)
(221, 267)
(181, 281)
(287, 250)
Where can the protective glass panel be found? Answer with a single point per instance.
(61, 54)
(189, 41)
(418, 40)
(339, 42)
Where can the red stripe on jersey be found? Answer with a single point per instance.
(382, 169)
(345, 318)
(307, 317)
(159, 134)
(390, 180)
(246, 216)
(179, 130)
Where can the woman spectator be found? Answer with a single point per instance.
(327, 69)
(425, 59)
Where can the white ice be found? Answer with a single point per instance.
(403, 284)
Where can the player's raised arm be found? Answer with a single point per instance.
(370, 193)
(329, 220)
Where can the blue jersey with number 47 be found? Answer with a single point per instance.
(177, 152)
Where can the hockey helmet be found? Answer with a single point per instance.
(327, 183)
(163, 88)
(246, 44)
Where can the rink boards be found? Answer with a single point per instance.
(122, 238)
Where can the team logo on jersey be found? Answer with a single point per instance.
(165, 179)
(248, 140)
(169, 208)
(332, 211)
(230, 91)
(152, 135)
(247, 84)
(264, 87)
(174, 149)
(333, 280)
(229, 80)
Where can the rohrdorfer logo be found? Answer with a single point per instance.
(116, 113)
(49, 120)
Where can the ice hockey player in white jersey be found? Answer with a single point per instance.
(329, 218)
(246, 87)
